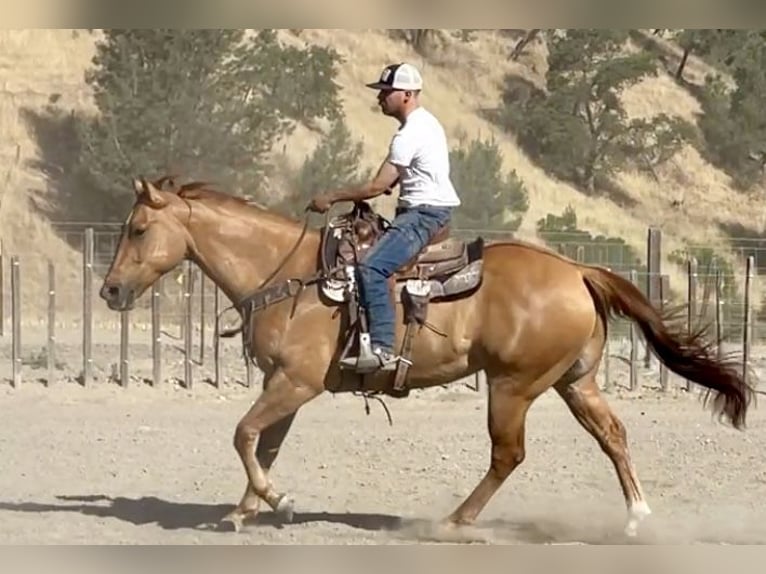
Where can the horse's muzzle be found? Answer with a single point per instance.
(118, 297)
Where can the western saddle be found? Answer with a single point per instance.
(447, 268)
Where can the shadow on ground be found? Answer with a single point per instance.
(170, 515)
(534, 529)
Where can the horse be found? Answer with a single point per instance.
(535, 320)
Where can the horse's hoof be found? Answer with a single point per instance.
(631, 530)
(230, 524)
(285, 510)
(636, 515)
(455, 522)
(235, 520)
(454, 530)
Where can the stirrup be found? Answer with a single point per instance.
(368, 360)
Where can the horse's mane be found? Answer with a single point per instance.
(201, 190)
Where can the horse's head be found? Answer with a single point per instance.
(154, 240)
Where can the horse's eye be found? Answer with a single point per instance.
(138, 232)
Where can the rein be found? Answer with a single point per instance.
(290, 254)
(263, 296)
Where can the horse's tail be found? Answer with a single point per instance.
(688, 355)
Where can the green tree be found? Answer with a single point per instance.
(562, 233)
(518, 49)
(733, 125)
(579, 130)
(718, 47)
(653, 141)
(203, 103)
(491, 200)
(334, 163)
(420, 39)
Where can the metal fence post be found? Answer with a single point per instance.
(156, 333)
(691, 317)
(51, 354)
(635, 384)
(16, 320)
(748, 316)
(124, 346)
(187, 324)
(87, 308)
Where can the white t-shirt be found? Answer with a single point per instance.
(419, 149)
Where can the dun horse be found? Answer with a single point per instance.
(535, 321)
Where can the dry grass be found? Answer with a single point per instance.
(457, 93)
(466, 77)
(36, 65)
(695, 69)
(461, 78)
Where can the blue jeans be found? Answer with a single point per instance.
(411, 230)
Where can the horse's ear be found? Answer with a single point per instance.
(148, 190)
(166, 179)
(154, 195)
(138, 186)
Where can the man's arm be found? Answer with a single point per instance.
(385, 178)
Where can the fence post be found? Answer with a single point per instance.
(746, 334)
(718, 311)
(635, 384)
(124, 345)
(654, 275)
(156, 349)
(664, 298)
(187, 323)
(16, 320)
(708, 286)
(202, 318)
(692, 297)
(216, 338)
(87, 308)
(51, 355)
(2, 290)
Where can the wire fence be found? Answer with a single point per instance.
(54, 326)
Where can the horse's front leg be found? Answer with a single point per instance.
(280, 400)
(269, 443)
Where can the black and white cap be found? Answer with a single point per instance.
(398, 77)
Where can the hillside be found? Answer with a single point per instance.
(690, 200)
(467, 77)
(36, 67)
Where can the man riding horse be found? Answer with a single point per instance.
(418, 158)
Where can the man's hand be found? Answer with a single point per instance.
(321, 202)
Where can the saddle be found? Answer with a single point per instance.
(447, 268)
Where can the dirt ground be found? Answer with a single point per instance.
(111, 465)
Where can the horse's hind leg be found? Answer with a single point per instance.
(509, 400)
(507, 415)
(592, 411)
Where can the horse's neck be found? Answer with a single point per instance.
(240, 251)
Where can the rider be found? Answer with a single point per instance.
(418, 158)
